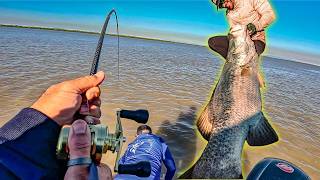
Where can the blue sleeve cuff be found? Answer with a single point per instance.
(28, 147)
(26, 119)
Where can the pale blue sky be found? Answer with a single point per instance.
(190, 21)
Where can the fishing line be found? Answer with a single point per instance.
(95, 62)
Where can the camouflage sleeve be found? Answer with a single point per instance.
(267, 15)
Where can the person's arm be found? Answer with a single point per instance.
(168, 162)
(28, 141)
(266, 12)
(27, 147)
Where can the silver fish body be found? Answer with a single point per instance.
(233, 114)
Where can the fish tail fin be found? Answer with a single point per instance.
(262, 133)
(187, 174)
(204, 123)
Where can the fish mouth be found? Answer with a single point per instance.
(241, 47)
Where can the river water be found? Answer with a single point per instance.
(171, 80)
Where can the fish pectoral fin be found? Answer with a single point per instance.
(262, 84)
(262, 133)
(187, 174)
(246, 71)
(205, 124)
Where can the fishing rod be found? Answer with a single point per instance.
(95, 62)
(101, 139)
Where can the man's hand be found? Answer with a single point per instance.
(62, 101)
(79, 144)
(252, 29)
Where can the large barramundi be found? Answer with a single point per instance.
(233, 114)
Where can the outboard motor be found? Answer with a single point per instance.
(276, 169)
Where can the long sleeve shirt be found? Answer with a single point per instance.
(258, 12)
(151, 148)
(27, 147)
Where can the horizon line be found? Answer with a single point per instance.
(92, 32)
(136, 37)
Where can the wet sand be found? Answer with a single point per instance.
(171, 80)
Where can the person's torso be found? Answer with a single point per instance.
(146, 147)
(244, 13)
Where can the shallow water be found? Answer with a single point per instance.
(171, 80)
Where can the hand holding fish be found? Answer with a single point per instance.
(252, 29)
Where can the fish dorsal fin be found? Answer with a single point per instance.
(262, 132)
(205, 123)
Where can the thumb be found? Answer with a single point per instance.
(82, 84)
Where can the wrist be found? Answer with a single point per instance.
(257, 25)
(26, 119)
(45, 111)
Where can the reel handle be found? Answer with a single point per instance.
(140, 116)
(140, 169)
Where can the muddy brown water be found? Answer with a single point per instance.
(171, 80)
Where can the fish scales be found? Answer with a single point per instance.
(233, 113)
